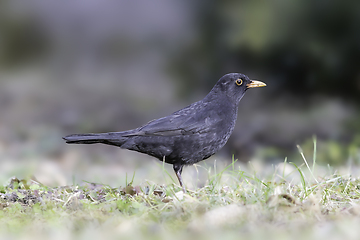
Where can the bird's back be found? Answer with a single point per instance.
(187, 136)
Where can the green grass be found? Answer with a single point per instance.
(303, 201)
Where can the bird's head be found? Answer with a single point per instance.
(234, 85)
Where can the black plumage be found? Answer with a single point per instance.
(187, 136)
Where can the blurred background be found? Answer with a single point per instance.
(95, 66)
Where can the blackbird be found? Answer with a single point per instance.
(187, 136)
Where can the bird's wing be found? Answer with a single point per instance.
(183, 122)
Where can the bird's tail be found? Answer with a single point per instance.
(115, 138)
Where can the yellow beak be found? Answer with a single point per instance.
(254, 84)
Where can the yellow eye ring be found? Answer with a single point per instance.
(239, 82)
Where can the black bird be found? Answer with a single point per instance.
(189, 135)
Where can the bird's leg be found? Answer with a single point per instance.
(178, 170)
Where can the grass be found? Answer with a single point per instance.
(296, 201)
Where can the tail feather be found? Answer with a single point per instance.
(83, 138)
(116, 139)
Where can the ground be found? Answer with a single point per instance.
(300, 202)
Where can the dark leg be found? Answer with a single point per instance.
(178, 170)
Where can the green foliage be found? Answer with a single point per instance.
(332, 152)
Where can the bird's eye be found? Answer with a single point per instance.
(239, 81)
